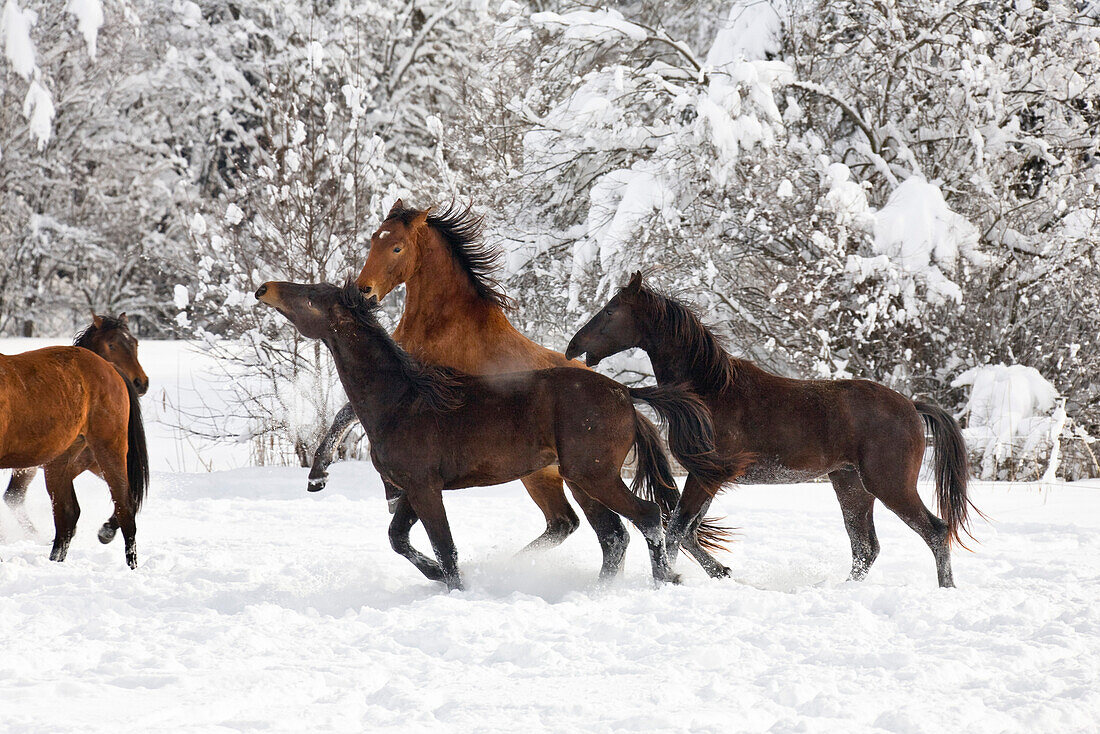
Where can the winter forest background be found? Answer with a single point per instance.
(907, 192)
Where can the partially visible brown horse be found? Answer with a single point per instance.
(455, 317)
(433, 429)
(67, 409)
(110, 338)
(866, 437)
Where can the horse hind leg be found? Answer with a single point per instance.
(16, 496)
(66, 510)
(545, 488)
(857, 506)
(610, 533)
(612, 493)
(902, 499)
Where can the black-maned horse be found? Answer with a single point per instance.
(866, 437)
(432, 429)
(110, 338)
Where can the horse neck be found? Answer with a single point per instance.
(444, 313)
(675, 361)
(371, 373)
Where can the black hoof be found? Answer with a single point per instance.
(316, 485)
(106, 533)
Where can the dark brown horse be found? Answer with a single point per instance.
(455, 316)
(68, 410)
(110, 338)
(866, 437)
(432, 429)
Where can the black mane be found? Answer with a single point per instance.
(461, 229)
(108, 323)
(436, 386)
(679, 324)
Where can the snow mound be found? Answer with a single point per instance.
(1013, 413)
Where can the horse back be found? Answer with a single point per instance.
(484, 344)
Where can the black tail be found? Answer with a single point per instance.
(137, 453)
(690, 431)
(691, 438)
(952, 472)
(653, 478)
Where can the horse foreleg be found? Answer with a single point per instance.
(610, 532)
(326, 452)
(545, 488)
(427, 503)
(689, 511)
(403, 520)
(857, 505)
(16, 496)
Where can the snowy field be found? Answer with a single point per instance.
(259, 607)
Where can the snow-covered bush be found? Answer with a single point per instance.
(1014, 421)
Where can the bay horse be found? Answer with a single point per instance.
(867, 438)
(68, 410)
(110, 338)
(455, 316)
(433, 429)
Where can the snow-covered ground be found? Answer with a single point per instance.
(260, 607)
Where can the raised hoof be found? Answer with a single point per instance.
(722, 572)
(131, 560)
(316, 485)
(106, 533)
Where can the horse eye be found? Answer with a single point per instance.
(397, 249)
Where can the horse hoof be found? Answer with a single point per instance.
(106, 534)
(722, 572)
(316, 485)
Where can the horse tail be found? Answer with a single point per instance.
(653, 479)
(137, 452)
(951, 470)
(691, 438)
(690, 431)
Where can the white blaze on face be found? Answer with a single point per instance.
(383, 233)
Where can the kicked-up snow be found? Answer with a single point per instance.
(259, 607)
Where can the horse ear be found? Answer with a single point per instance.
(635, 283)
(396, 208)
(122, 318)
(420, 219)
(97, 320)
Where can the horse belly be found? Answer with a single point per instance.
(769, 470)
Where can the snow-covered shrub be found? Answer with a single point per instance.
(1014, 420)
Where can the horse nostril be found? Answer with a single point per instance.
(261, 290)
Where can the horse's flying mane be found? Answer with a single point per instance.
(436, 386)
(678, 322)
(461, 229)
